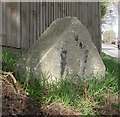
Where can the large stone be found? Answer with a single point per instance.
(64, 48)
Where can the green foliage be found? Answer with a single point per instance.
(9, 60)
(103, 6)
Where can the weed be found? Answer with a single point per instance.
(9, 60)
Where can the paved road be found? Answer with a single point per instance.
(111, 50)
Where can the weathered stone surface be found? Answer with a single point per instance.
(64, 48)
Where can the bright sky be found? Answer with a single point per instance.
(111, 19)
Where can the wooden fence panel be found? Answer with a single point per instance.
(23, 23)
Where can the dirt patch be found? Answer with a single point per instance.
(15, 101)
(57, 108)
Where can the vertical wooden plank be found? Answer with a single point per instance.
(77, 3)
(93, 26)
(99, 26)
(56, 10)
(89, 17)
(59, 11)
(31, 24)
(4, 40)
(41, 18)
(46, 15)
(18, 24)
(85, 12)
(63, 9)
(119, 22)
(37, 20)
(91, 20)
(27, 45)
(25, 25)
(75, 9)
(69, 8)
(96, 38)
(1, 29)
(8, 24)
(80, 11)
(50, 13)
(72, 8)
(13, 25)
(52, 9)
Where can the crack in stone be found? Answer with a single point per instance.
(63, 61)
(86, 59)
(76, 38)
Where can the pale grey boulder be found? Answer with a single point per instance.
(64, 48)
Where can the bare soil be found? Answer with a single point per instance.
(15, 102)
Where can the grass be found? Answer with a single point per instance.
(9, 60)
(89, 98)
